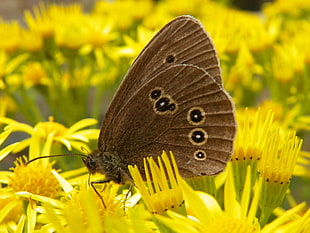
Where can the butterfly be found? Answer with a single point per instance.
(172, 98)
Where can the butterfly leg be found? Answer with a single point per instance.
(91, 183)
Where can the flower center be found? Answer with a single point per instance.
(35, 178)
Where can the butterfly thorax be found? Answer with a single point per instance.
(108, 164)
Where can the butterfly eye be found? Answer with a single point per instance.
(200, 155)
(198, 136)
(196, 116)
(170, 59)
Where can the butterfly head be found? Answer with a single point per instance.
(90, 163)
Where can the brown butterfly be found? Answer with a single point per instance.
(173, 99)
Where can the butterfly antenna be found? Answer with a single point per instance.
(52, 156)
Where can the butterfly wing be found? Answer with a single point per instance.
(182, 41)
(181, 109)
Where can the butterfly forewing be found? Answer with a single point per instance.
(182, 41)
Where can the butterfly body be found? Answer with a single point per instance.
(172, 99)
(109, 164)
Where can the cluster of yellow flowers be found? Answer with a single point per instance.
(64, 56)
(63, 53)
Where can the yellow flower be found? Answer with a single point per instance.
(34, 74)
(71, 28)
(10, 208)
(60, 53)
(78, 208)
(99, 32)
(159, 17)
(79, 78)
(290, 221)
(10, 36)
(134, 46)
(279, 157)
(276, 108)
(45, 134)
(83, 211)
(160, 194)
(286, 61)
(6, 106)
(243, 73)
(276, 167)
(252, 134)
(41, 21)
(8, 66)
(183, 7)
(303, 164)
(36, 179)
(68, 33)
(206, 215)
(31, 41)
(294, 38)
(123, 13)
(286, 118)
(98, 39)
(237, 28)
(253, 125)
(18, 225)
(106, 77)
(292, 8)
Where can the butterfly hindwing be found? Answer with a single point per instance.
(161, 116)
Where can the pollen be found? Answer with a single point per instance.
(85, 206)
(35, 178)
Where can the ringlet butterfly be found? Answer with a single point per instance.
(172, 98)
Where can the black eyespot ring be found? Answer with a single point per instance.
(170, 59)
(155, 94)
(200, 155)
(163, 104)
(198, 136)
(172, 107)
(196, 116)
